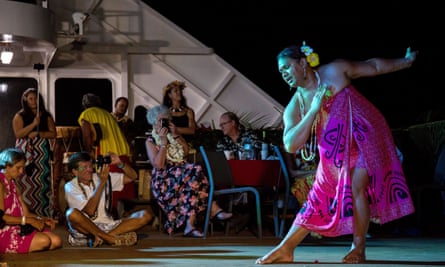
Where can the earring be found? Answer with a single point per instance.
(304, 73)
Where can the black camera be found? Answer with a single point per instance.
(165, 123)
(101, 160)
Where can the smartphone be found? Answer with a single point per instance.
(164, 123)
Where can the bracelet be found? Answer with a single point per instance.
(121, 166)
(23, 220)
(161, 146)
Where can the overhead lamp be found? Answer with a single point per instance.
(6, 56)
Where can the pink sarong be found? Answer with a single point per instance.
(10, 239)
(352, 133)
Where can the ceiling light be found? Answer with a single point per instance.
(6, 56)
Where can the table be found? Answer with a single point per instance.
(255, 172)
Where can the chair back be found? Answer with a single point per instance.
(218, 168)
(284, 194)
(284, 168)
(220, 176)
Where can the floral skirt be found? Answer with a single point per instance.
(181, 190)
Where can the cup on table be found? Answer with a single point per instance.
(229, 154)
(264, 154)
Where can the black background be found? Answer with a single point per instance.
(249, 35)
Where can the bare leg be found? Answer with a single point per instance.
(360, 180)
(45, 241)
(284, 252)
(84, 225)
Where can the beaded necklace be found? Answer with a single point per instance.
(172, 109)
(308, 152)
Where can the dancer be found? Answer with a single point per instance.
(359, 177)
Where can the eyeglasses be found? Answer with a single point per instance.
(82, 168)
(224, 123)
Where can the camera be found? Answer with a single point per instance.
(165, 123)
(101, 160)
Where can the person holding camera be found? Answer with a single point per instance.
(180, 187)
(21, 231)
(100, 134)
(88, 195)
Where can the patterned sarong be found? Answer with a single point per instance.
(352, 133)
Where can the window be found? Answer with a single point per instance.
(11, 90)
(68, 97)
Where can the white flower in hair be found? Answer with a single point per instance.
(306, 50)
(311, 57)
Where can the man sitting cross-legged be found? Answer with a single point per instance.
(88, 196)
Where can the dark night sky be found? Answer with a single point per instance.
(249, 34)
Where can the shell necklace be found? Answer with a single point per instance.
(308, 152)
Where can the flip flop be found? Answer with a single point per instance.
(94, 241)
(193, 233)
(221, 215)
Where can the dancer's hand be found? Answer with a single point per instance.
(410, 56)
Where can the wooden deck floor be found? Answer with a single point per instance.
(157, 249)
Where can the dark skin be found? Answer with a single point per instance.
(336, 76)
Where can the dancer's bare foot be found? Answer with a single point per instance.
(278, 255)
(355, 256)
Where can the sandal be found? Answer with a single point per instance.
(127, 239)
(193, 233)
(221, 215)
(94, 241)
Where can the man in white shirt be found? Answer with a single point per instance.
(88, 196)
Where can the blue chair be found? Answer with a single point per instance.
(284, 205)
(221, 183)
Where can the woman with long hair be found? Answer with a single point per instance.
(34, 128)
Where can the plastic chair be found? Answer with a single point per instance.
(283, 198)
(221, 183)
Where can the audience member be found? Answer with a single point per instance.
(101, 134)
(125, 123)
(182, 116)
(141, 126)
(89, 216)
(23, 231)
(100, 131)
(34, 128)
(235, 135)
(302, 173)
(179, 187)
(142, 129)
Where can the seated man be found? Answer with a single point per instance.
(88, 196)
(235, 135)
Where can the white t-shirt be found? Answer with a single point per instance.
(75, 197)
